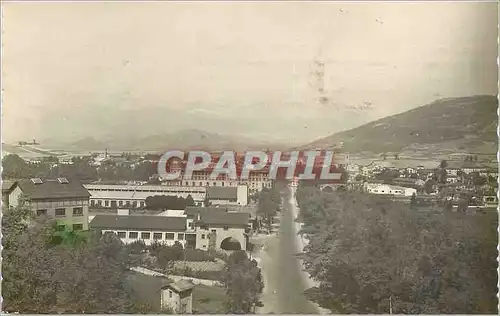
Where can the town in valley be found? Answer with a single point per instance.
(90, 223)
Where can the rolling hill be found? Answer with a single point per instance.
(464, 123)
(181, 140)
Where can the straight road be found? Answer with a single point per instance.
(284, 279)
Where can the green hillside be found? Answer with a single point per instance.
(466, 123)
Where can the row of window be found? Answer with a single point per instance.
(108, 203)
(61, 212)
(75, 227)
(174, 191)
(147, 235)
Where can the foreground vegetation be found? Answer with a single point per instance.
(44, 271)
(372, 256)
(48, 271)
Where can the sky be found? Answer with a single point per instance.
(96, 69)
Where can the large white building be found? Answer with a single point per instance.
(134, 196)
(257, 180)
(147, 228)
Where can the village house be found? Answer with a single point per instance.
(66, 201)
(178, 296)
(385, 189)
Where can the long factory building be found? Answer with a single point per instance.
(134, 196)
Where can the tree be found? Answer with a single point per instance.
(242, 280)
(41, 276)
(442, 175)
(413, 200)
(479, 180)
(190, 200)
(359, 177)
(366, 252)
(166, 254)
(268, 204)
(443, 164)
(165, 202)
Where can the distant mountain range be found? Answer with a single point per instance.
(461, 124)
(183, 140)
(465, 123)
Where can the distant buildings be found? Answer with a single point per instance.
(66, 201)
(257, 180)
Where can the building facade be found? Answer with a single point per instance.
(178, 296)
(197, 228)
(146, 228)
(134, 196)
(227, 195)
(66, 201)
(385, 189)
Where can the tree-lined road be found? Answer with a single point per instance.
(284, 279)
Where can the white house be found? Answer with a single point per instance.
(228, 195)
(385, 189)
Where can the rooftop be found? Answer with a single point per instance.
(224, 218)
(7, 185)
(192, 211)
(222, 192)
(139, 222)
(53, 189)
(180, 286)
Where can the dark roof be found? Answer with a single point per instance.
(144, 222)
(52, 189)
(222, 192)
(192, 211)
(8, 185)
(224, 218)
(180, 286)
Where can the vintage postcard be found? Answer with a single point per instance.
(210, 157)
